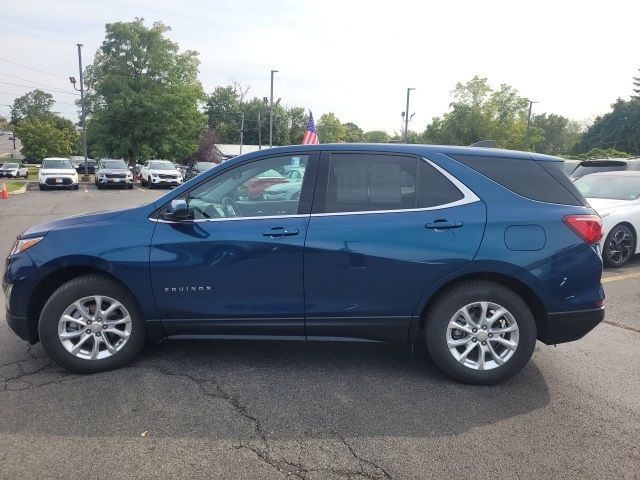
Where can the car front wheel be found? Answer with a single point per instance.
(480, 332)
(619, 246)
(91, 324)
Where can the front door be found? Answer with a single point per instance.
(234, 267)
(385, 229)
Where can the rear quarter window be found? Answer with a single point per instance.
(542, 181)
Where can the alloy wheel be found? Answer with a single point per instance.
(620, 246)
(482, 335)
(95, 327)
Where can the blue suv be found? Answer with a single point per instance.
(475, 252)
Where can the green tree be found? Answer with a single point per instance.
(354, 133)
(4, 123)
(35, 104)
(618, 129)
(223, 110)
(376, 136)
(636, 87)
(330, 129)
(480, 113)
(46, 138)
(144, 95)
(554, 134)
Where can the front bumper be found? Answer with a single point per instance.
(568, 326)
(9, 175)
(115, 181)
(166, 181)
(58, 181)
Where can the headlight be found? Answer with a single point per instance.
(23, 244)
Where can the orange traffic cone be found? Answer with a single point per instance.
(4, 193)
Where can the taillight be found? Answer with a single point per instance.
(588, 227)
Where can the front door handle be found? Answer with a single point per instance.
(442, 224)
(279, 232)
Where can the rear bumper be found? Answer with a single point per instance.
(568, 326)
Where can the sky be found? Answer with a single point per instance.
(354, 58)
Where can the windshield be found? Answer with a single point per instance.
(161, 166)
(115, 164)
(615, 187)
(56, 163)
(10, 165)
(203, 166)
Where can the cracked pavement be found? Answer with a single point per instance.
(317, 410)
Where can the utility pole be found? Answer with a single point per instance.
(241, 131)
(271, 111)
(259, 132)
(83, 120)
(407, 118)
(526, 136)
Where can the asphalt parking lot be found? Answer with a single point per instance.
(318, 410)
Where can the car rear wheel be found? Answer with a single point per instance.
(480, 332)
(619, 246)
(91, 324)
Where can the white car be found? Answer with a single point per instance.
(160, 172)
(616, 198)
(14, 170)
(57, 173)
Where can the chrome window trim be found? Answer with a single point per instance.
(467, 198)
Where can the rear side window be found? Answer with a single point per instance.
(435, 189)
(527, 178)
(373, 182)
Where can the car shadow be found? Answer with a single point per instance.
(284, 390)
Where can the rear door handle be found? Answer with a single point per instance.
(279, 232)
(443, 225)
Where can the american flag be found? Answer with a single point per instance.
(311, 135)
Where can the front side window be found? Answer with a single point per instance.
(255, 189)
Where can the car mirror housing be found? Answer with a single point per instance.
(178, 210)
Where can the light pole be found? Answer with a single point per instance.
(82, 116)
(271, 111)
(526, 136)
(407, 118)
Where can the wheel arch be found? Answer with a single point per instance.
(523, 290)
(51, 282)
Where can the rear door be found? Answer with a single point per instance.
(383, 229)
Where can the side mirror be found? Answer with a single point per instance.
(177, 211)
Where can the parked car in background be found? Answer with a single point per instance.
(616, 197)
(57, 173)
(587, 167)
(289, 190)
(113, 172)
(157, 173)
(91, 166)
(14, 170)
(196, 169)
(256, 186)
(475, 252)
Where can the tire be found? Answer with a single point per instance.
(151, 185)
(42, 187)
(130, 187)
(77, 290)
(76, 187)
(468, 296)
(619, 246)
(143, 181)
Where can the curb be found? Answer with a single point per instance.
(20, 190)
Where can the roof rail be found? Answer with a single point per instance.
(484, 144)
